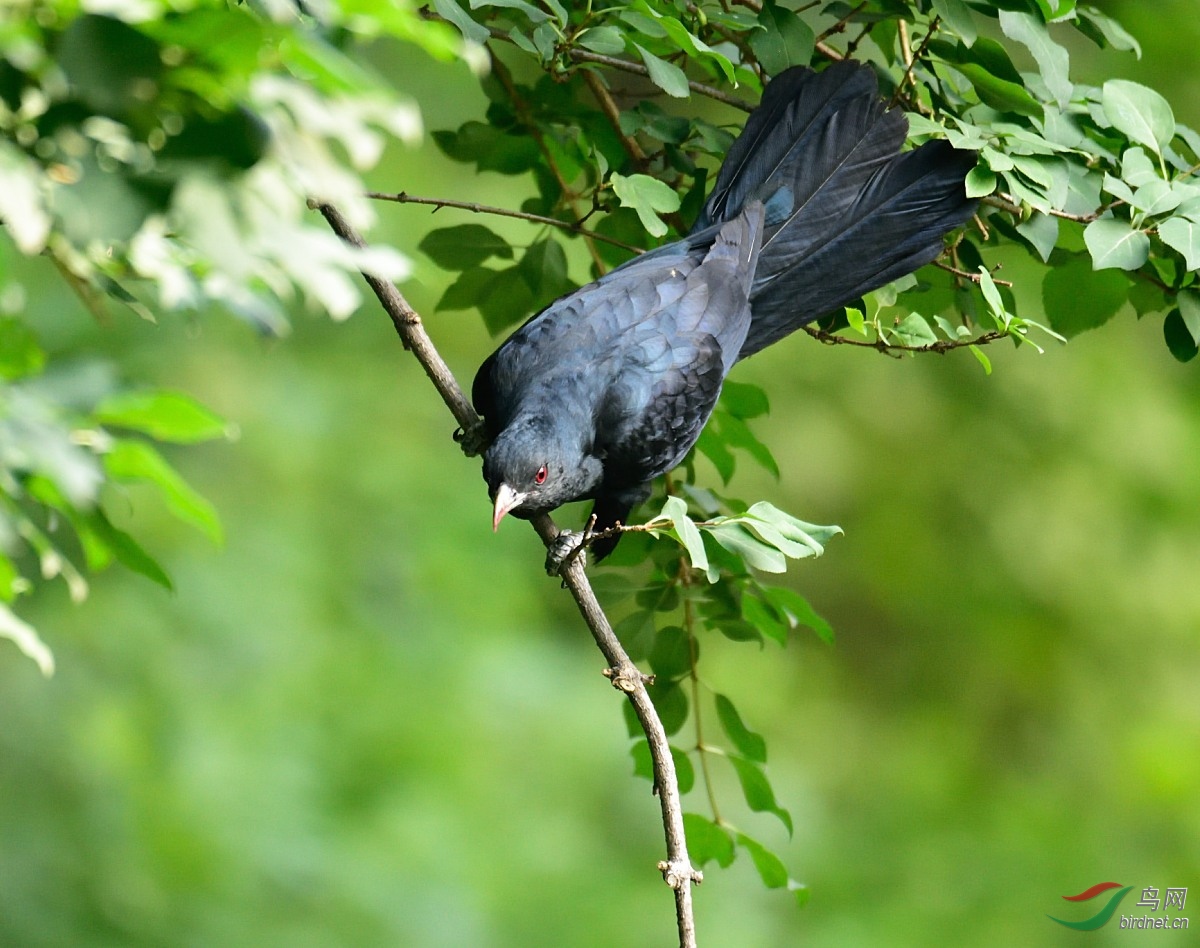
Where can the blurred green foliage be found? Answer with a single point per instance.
(366, 721)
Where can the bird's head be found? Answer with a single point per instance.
(538, 464)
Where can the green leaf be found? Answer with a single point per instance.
(1041, 230)
(671, 703)
(748, 744)
(464, 246)
(1000, 94)
(25, 637)
(1077, 299)
(913, 330)
(535, 15)
(983, 359)
(1179, 337)
(797, 611)
(1105, 31)
(127, 550)
(737, 434)
(544, 267)
(675, 509)
(981, 181)
(957, 15)
(1115, 243)
(757, 789)
(667, 76)
(165, 416)
(744, 400)
(467, 290)
(1183, 235)
(607, 40)
(643, 763)
(770, 868)
(20, 355)
(764, 619)
(1156, 197)
(505, 300)
(707, 842)
(648, 196)
(1139, 112)
(713, 448)
(1137, 169)
(673, 652)
(991, 295)
(1189, 310)
(756, 554)
(137, 461)
(1053, 60)
(685, 773)
(784, 39)
(450, 10)
(689, 43)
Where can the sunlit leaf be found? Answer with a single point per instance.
(1139, 112)
(667, 76)
(165, 416)
(1116, 243)
(138, 461)
(25, 637)
(648, 196)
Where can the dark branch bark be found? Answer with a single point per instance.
(677, 867)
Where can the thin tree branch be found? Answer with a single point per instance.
(967, 275)
(879, 345)
(677, 867)
(587, 56)
(844, 22)
(910, 61)
(575, 227)
(613, 114)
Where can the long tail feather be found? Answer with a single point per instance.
(846, 211)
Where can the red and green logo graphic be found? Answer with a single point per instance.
(1100, 918)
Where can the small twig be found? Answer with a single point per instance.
(829, 52)
(748, 56)
(613, 114)
(677, 867)
(1010, 205)
(911, 60)
(587, 56)
(436, 203)
(879, 345)
(967, 275)
(841, 24)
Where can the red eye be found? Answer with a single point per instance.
(540, 477)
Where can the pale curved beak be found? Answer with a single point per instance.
(506, 500)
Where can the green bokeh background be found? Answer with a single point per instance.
(367, 721)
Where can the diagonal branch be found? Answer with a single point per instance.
(677, 867)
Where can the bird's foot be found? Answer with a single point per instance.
(566, 547)
(472, 440)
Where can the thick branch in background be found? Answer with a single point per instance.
(677, 867)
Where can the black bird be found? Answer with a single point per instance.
(815, 205)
